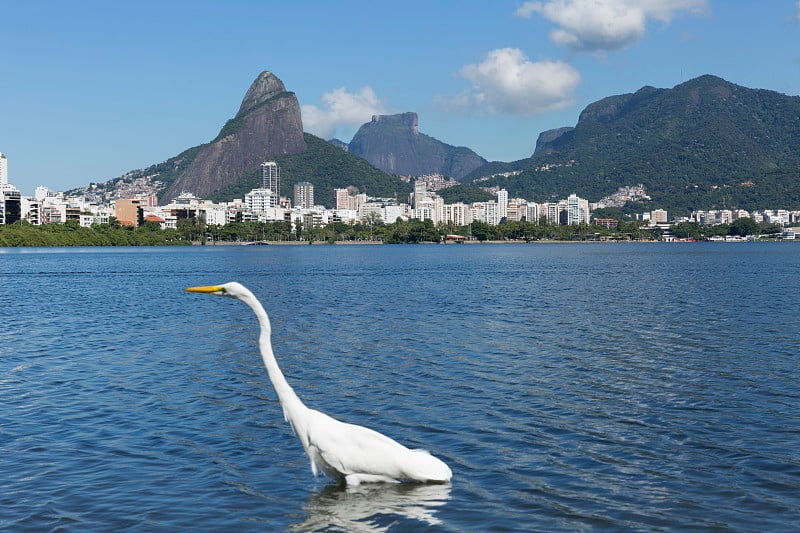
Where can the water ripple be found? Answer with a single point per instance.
(570, 388)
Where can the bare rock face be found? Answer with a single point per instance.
(267, 125)
(394, 144)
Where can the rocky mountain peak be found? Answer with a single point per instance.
(266, 86)
(267, 125)
(408, 120)
(393, 143)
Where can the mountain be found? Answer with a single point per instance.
(706, 143)
(394, 144)
(267, 125)
(328, 167)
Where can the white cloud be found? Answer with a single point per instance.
(341, 110)
(506, 81)
(603, 25)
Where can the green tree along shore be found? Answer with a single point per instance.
(72, 234)
(191, 231)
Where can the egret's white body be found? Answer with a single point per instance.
(340, 450)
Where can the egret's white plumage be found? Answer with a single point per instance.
(342, 451)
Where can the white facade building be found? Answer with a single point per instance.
(533, 213)
(259, 200)
(3, 169)
(459, 214)
(502, 205)
(304, 195)
(431, 208)
(271, 179)
(492, 213)
(478, 212)
(577, 210)
(392, 212)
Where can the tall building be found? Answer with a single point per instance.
(502, 204)
(271, 179)
(420, 193)
(577, 210)
(492, 213)
(10, 199)
(3, 169)
(339, 199)
(304, 195)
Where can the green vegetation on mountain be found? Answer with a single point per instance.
(164, 172)
(465, 193)
(704, 144)
(326, 167)
(329, 167)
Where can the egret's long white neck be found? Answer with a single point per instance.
(293, 407)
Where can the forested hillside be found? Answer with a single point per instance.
(704, 144)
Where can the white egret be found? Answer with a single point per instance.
(341, 451)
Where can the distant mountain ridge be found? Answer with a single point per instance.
(706, 143)
(267, 126)
(394, 144)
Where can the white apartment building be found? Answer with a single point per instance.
(419, 195)
(492, 213)
(502, 204)
(217, 215)
(31, 210)
(458, 214)
(369, 210)
(422, 213)
(271, 179)
(776, 216)
(552, 213)
(3, 169)
(392, 212)
(304, 195)
(429, 208)
(259, 200)
(533, 212)
(477, 212)
(577, 210)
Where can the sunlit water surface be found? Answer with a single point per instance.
(569, 387)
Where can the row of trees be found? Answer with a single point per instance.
(370, 229)
(416, 231)
(70, 233)
(740, 227)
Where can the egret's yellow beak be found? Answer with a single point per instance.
(208, 289)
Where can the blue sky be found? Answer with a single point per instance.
(92, 89)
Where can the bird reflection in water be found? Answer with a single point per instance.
(372, 508)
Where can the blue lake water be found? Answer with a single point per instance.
(570, 387)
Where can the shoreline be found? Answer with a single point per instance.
(491, 242)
